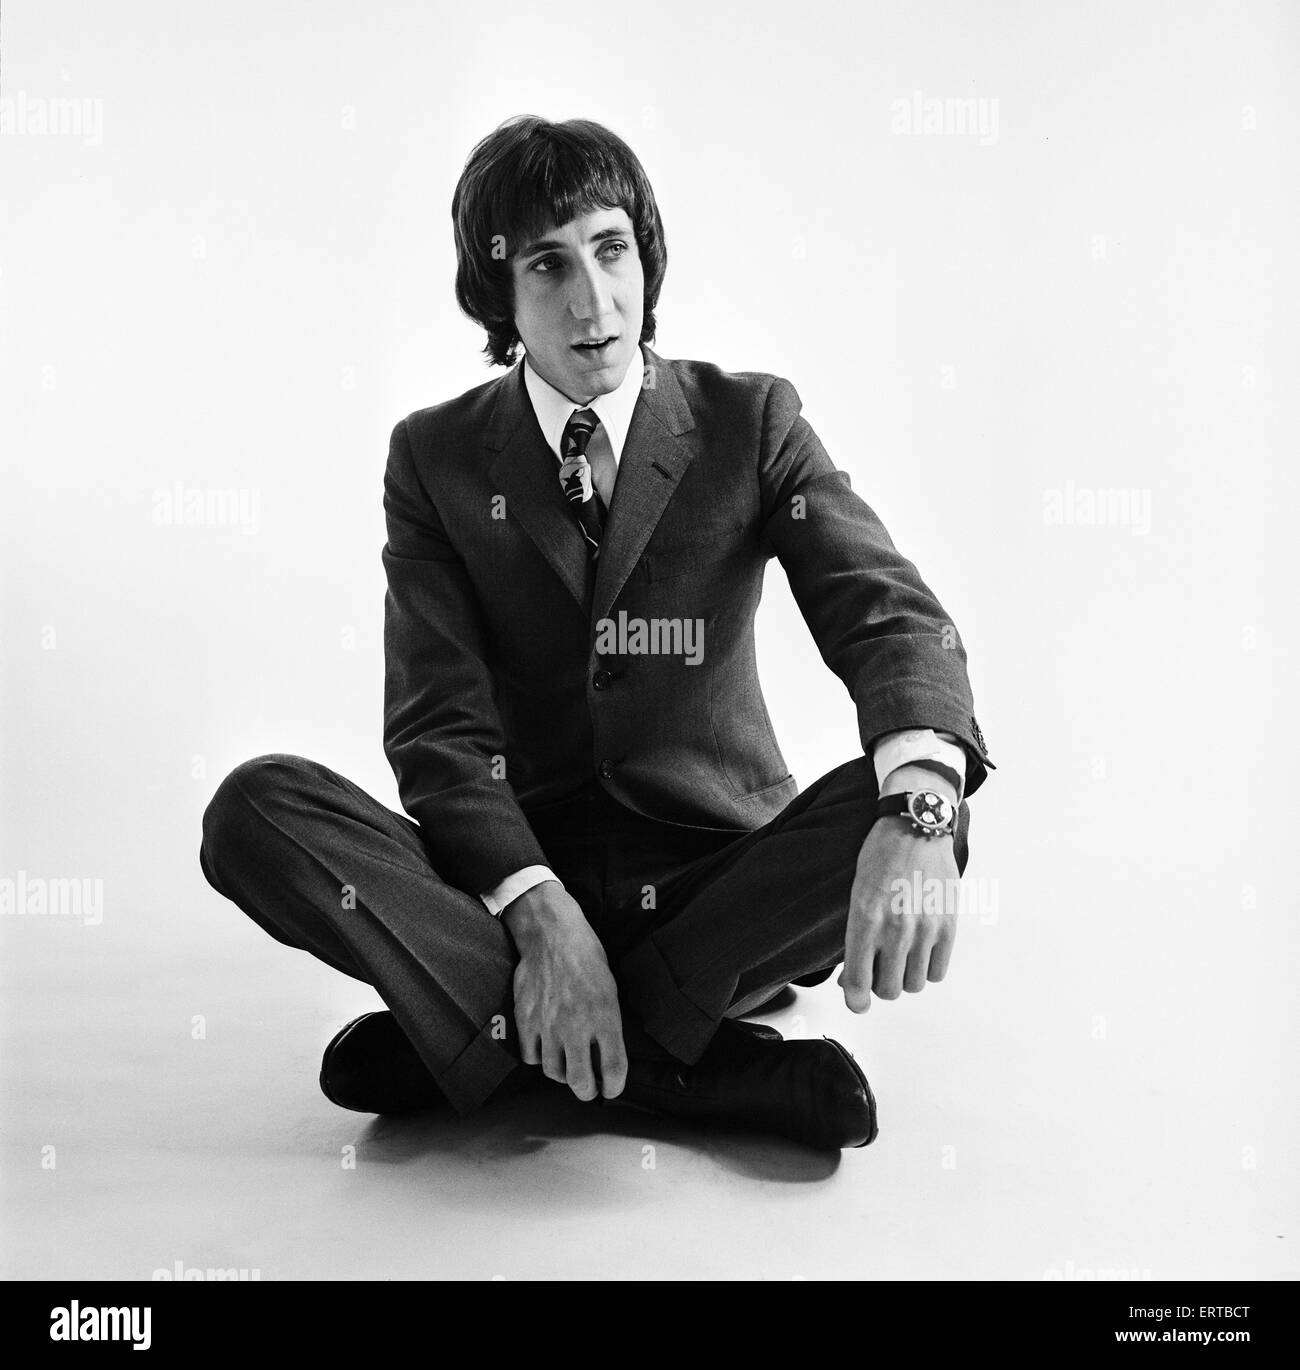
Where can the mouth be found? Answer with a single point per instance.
(597, 348)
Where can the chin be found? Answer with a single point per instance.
(619, 365)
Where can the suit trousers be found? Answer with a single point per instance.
(698, 924)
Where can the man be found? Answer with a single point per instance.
(607, 862)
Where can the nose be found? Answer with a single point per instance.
(591, 297)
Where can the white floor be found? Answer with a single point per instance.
(1086, 318)
(1028, 1142)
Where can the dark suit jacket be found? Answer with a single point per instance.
(496, 701)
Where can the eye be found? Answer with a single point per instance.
(543, 262)
(620, 245)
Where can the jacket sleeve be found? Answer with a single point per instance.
(442, 733)
(876, 623)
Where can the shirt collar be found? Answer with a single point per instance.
(614, 410)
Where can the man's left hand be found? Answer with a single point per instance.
(901, 927)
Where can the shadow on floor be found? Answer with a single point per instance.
(531, 1123)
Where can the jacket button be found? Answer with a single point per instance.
(606, 770)
(601, 680)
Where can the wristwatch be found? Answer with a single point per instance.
(929, 812)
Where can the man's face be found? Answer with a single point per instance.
(581, 282)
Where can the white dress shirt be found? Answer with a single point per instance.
(553, 409)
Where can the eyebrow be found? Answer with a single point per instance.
(552, 244)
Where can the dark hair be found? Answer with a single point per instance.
(526, 176)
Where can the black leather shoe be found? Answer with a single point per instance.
(816, 977)
(809, 1091)
(764, 1032)
(371, 1067)
(783, 998)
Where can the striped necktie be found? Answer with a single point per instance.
(576, 481)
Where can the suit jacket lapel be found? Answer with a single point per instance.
(525, 471)
(654, 457)
(655, 454)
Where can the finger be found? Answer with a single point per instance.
(939, 958)
(611, 1063)
(859, 953)
(918, 965)
(529, 1046)
(577, 1061)
(857, 993)
(553, 1061)
(888, 982)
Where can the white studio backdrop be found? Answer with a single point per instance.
(1031, 268)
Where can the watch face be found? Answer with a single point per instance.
(930, 810)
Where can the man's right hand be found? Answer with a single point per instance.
(566, 1001)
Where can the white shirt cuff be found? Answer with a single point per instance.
(918, 744)
(513, 886)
